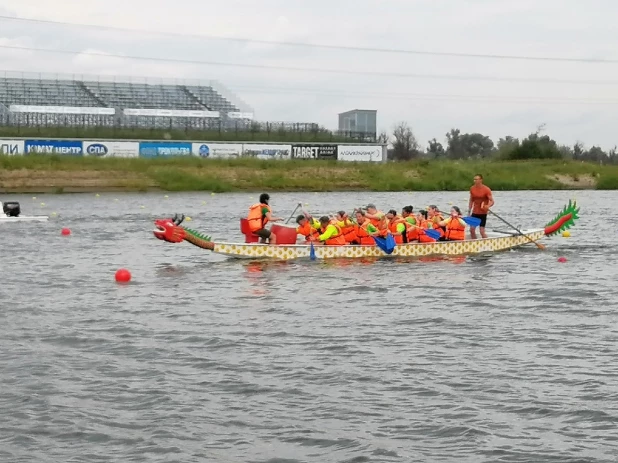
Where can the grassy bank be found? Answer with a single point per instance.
(38, 174)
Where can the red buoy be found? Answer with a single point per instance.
(562, 259)
(123, 275)
(65, 232)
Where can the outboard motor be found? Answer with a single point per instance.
(11, 209)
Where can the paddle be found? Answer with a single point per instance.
(539, 245)
(312, 252)
(430, 232)
(294, 212)
(385, 244)
(472, 221)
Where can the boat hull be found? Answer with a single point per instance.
(23, 218)
(496, 242)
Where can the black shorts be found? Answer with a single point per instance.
(263, 233)
(483, 218)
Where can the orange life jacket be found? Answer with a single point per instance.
(349, 231)
(412, 229)
(338, 239)
(380, 224)
(392, 226)
(306, 230)
(422, 237)
(255, 219)
(363, 235)
(455, 231)
(433, 223)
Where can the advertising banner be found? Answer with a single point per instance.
(170, 113)
(116, 149)
(70, 147)
(155, 149)
(360, 153)
(239, 115)
(314, 151)
(267, 151)
(217, 150)
(17, 108)
(11, 147)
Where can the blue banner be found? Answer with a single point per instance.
(70, 147)
(155, 149)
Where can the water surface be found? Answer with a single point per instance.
(508, 358)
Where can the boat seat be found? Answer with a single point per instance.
(250, 237)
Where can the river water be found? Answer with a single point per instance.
(507, 358)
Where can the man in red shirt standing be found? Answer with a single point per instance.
(481, 200)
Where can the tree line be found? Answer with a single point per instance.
(459, 145)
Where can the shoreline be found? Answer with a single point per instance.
(67, 174)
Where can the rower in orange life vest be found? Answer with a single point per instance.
(408, 214)
(348, 227)
(435, 217)
(424, 224)
(376, 217)
(307, 226)
(330, 233)
(365, 229)
(455, 226)
(259, 215)
(398, 226)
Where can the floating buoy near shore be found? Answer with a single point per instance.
(562, 259)
(65, 232)
(566, 234)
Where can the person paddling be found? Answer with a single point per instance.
(259, 215)
(398, 226)
(330, 233)
(376, 217)
(365, 229)
(455, 226)
(307, 226)
(348, 227)
(481, 199)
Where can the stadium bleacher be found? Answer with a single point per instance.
(27, 100)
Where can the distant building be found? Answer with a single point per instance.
(359, 121)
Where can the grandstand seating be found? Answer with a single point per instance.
(118, 96)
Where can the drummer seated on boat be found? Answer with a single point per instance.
(307, 226)
(259, 215)
(330, 233)
(454, 225)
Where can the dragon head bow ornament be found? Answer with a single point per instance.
(171, 231)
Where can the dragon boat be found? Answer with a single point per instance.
(170, 230)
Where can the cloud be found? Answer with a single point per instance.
(563, 28)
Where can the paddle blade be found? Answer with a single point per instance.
(386, 245)
(472, 221)
(390, 243)
(312, 253)
(435, 234)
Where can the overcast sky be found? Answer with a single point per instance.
(575, 100)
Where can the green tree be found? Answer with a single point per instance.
(536, 147)
(435, 148)
(468, 145)
(405, 145)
